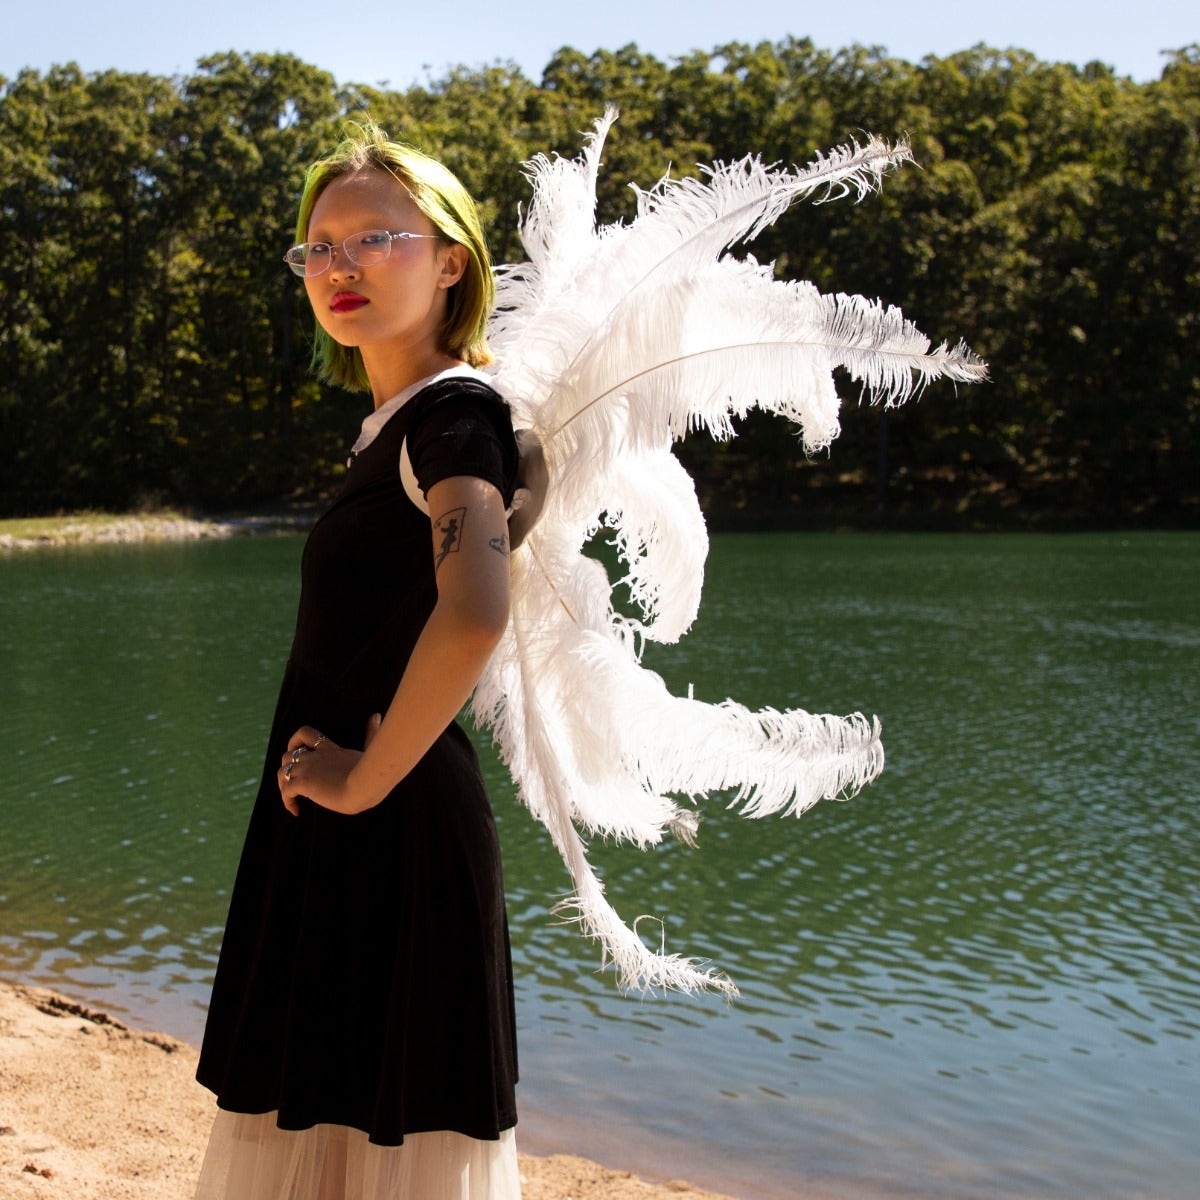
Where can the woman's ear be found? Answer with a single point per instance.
(453, 263)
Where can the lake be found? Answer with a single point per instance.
(979, 978)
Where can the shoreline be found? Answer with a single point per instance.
(91, 1109)
(109, 529)
(112, 529)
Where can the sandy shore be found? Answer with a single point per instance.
(93, 1110)
(94, 531)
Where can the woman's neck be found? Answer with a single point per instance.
(392, 377)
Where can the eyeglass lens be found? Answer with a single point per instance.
(366, 249)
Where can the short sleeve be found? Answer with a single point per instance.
(462, 428)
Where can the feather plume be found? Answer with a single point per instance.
(614, 342)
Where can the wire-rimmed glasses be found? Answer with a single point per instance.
(366, 249)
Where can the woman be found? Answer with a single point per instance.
(361, 1038)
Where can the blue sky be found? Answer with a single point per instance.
(375, 42)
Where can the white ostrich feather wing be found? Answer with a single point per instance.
(661, 539)
(613, 342)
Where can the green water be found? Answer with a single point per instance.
(979, 978)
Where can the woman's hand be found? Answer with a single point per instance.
(533, 482)
(322, 771)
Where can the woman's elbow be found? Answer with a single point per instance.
(491, 622)
(481, 619)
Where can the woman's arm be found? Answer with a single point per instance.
(470, 551)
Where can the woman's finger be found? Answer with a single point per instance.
(288, 789)
(373, 724)
(292, 757)
(308, 737)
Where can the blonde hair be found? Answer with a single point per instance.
(437, 192)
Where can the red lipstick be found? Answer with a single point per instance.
(347, 302)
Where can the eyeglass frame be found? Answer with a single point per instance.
(298, 268)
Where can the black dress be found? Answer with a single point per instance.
(365, 977)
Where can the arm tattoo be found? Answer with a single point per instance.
(450, 526)
(499, 544)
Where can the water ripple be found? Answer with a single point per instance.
(982, 976)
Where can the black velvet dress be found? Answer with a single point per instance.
(365, 977)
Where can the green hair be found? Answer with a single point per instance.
(437, 192)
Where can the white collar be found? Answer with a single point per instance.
(388, 409)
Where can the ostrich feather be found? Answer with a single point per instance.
(661, 538)
(613, 342)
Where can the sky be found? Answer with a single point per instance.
(369, 41)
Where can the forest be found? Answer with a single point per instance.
(154, 348)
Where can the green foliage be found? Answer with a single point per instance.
(153, 348)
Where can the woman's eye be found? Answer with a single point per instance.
(373, 239)
(318, 249)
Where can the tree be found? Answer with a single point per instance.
(153, 345)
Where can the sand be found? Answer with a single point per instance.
(146, 527)
(93, 1110)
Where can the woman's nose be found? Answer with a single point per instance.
(342, 265)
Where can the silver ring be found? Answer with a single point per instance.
(320, 738)
(287, 771)
(297, 753)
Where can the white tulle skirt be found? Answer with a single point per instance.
(251, 1158)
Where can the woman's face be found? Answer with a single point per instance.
(396, 307)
